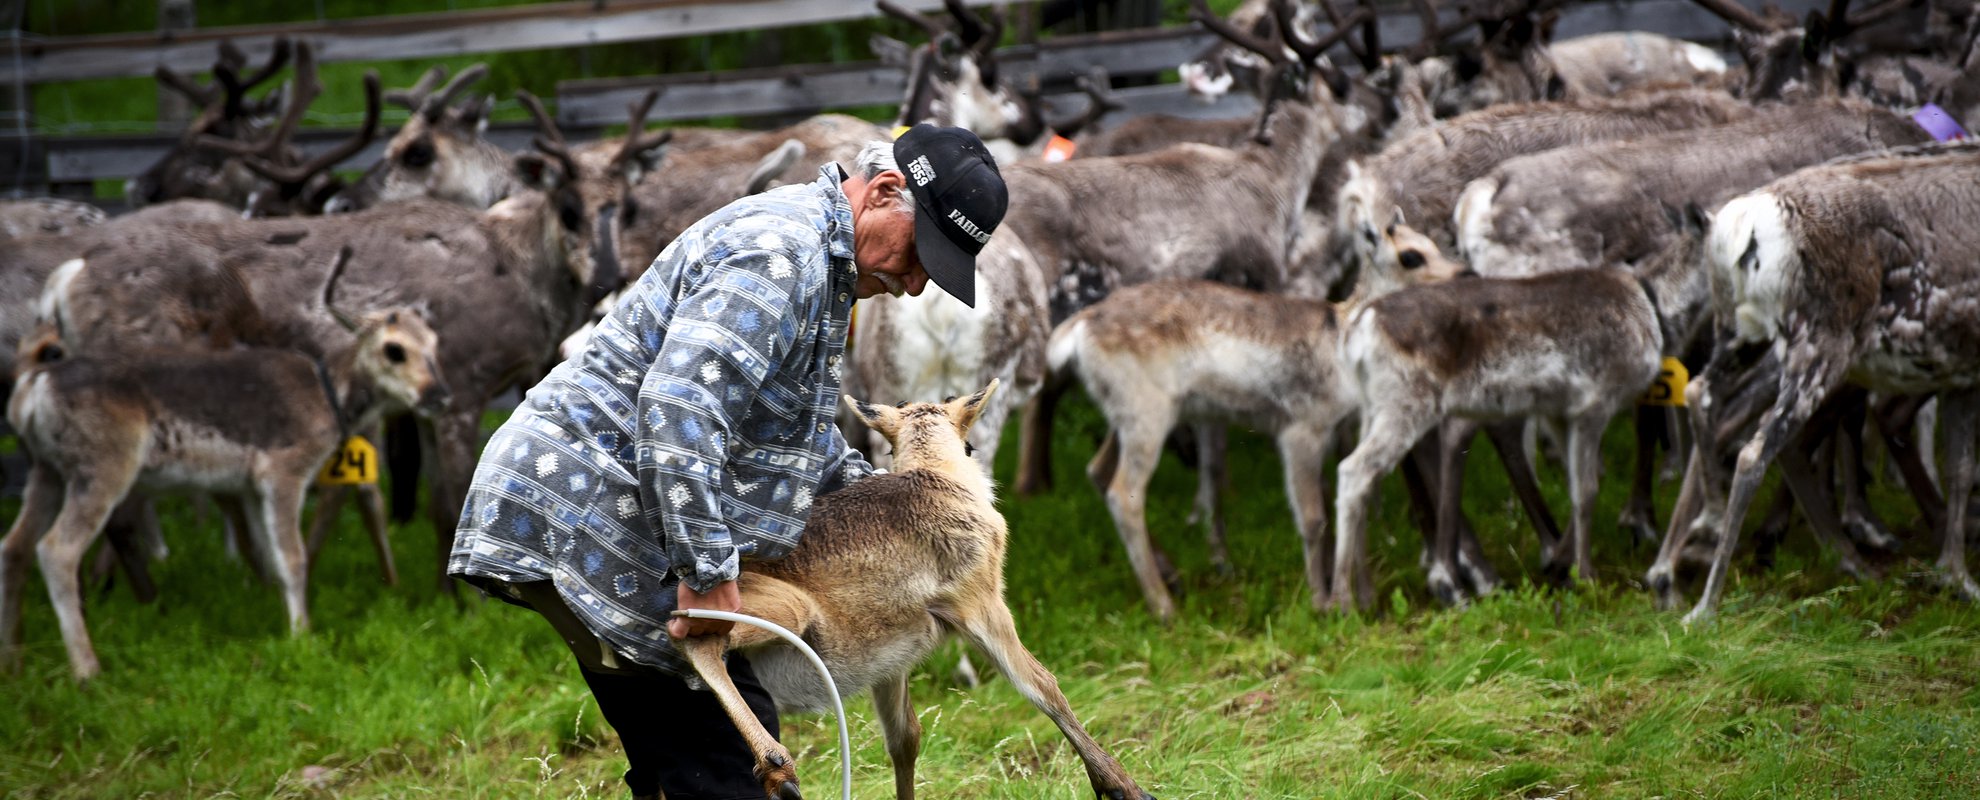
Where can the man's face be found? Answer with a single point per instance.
(883, 241)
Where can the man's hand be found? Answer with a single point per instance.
(724, 597)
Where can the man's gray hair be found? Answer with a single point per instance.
(877, 157)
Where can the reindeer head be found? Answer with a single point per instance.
(1402, 256)
(928, 435)
(395, 350)
(1785, 62)
(397, 354)
(438, 153)
(1223, 66)
(227, 113)
(953, 80)
(1509, 64)
(590, 190)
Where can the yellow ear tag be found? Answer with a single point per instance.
(900, 130)
(1668, 388)
(1059, 148)
(355, 463)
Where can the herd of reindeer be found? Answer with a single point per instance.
(1484, 230)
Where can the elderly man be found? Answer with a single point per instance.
(695, 429)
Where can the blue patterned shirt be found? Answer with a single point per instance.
(691, 433)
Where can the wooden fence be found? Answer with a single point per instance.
(583, 106)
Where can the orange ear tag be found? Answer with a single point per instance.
(900, 130)
(1058, 149)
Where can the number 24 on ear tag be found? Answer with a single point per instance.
(1668, 388)
(355, 463)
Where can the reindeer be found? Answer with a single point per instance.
(1168, 352)
(1577, 346)
(191, 171)
(98, 428)
(1423, 173)
(887, 569)
(1860, 270)
(296, 188)
(503, 285)
(954, 79)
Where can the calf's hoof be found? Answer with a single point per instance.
(779, 777)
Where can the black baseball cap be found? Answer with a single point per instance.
(961, 199)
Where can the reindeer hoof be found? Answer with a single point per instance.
(1870, 534)
(1663, 588)
(779, 777)
(787, 791)
(1699, 617)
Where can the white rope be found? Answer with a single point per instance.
(838, 708)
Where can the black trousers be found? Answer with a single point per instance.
(679, 740)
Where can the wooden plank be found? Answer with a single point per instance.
(90, 158)
(808, 89)
(575, 23)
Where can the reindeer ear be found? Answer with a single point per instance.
(885, 419)
(967, 409)
(1396, 217)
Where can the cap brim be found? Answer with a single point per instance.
(948, 265)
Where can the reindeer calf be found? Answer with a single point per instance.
(97, 428)
(886, 569)
(1162, 353)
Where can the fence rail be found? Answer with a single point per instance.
(586, 105)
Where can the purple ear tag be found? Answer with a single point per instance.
(1937, 122)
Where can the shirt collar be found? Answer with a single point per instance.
(839, 226)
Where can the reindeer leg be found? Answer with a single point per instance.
(1035, 438)
(1638, 515)
(1807, 377)
(1211, 476)
(1685, 517)
(329, 505)
(902, 730)
(1386, 438)
(85, 507)
(126, 531)
(1895, 420)
(371, 503)
(1584, 463)
(1139, 448)
(276, 516)
(455, 435)
(1454, 444)
(1958, 411)
(774, 766)
(1505, 441)
(1858, 520)
(41, 501)
(990, 628)
(1304, 451)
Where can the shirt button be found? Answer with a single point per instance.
(832, 362)
(821, 427)
(842, 297)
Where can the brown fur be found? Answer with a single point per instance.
(887, 569)
(98, 428)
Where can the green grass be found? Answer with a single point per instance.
(1808, 686)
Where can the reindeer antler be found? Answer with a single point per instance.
(979, 36)
(330, 290)
(551, 143)
(1731, 11)
(638, 141)
(433, 104)
(294, 177)
(304, 90)
(1101, 100)
(410, 98)
(933, 28)
(1201, 13)
(1310, 52)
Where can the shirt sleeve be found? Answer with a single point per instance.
(723, 339)
(848, 466)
